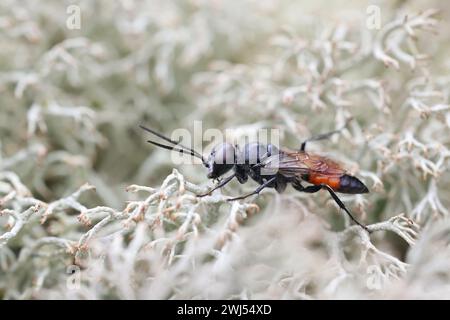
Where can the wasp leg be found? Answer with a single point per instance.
(313, 189)
(258, 190)
(261, 161)
(220, 185)
(323, 136)
(342, 206)
(309, 189)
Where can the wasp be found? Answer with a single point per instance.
(272, 167)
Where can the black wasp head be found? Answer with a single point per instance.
(221, 160)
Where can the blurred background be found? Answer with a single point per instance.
(78, 77)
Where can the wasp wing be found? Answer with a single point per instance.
(295, 164)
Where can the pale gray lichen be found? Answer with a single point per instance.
(71, 101)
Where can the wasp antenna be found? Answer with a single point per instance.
(159, 135)
(174, 148)
(176, 145)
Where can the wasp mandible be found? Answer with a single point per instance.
(275, 168)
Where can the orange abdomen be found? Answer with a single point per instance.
(333, 182)
(342, 184)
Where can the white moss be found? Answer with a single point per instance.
(71, 102)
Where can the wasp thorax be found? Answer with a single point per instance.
(221, 160)
(254, 152)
